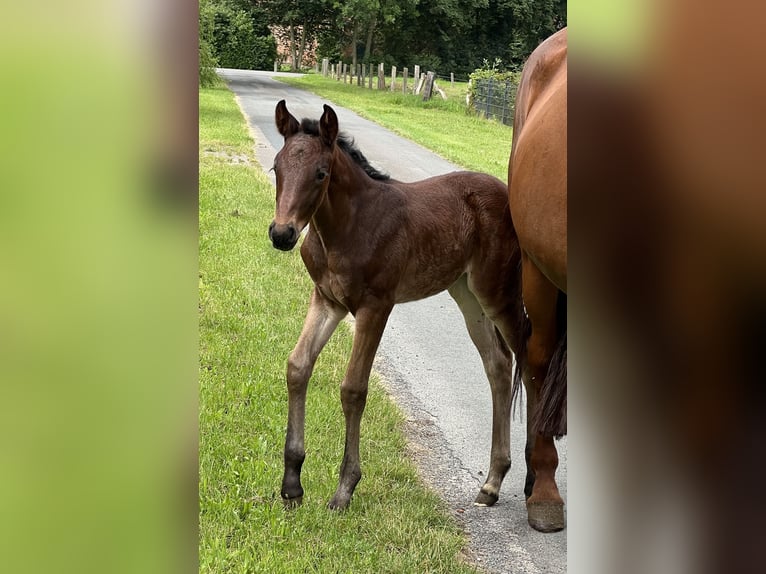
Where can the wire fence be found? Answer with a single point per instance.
(489, 97)
(452, 78)
(495, 99)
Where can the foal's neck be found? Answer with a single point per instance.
(348, 178)
(346, 193)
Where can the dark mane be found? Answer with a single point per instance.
(346, 143)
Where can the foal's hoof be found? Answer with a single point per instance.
(485, 499)
(292, 502)
(335, 505)
(546, 516)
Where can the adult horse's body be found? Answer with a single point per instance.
(537, 186)
(374, 242)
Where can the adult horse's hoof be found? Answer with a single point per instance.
(292, 502)
(546, 516)
(485, 499)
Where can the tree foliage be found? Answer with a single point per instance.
(297, 22)
(207, 60)
(240, 36)
(442, 35)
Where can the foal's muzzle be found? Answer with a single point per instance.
(283, 236)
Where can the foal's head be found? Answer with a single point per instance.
(302, 168)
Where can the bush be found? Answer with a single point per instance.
(236, 43)
(207, 65)
(498, 99)
(495, 72)
(207, 60)
(427, 62)
(264, 52)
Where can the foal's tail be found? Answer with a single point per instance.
(549, 417)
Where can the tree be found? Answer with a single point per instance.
(442, 35)
(361, 21)
(433, 34)
(533, 21)
(299, 21)
(359, 16)
(458, 35)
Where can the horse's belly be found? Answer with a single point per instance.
(425, 283)
(538, 193)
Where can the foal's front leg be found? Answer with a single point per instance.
(321, 320)
(370, 323)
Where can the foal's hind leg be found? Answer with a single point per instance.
(545, 507)
(321, 321)
(497, 364)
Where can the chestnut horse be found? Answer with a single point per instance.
(373, 242)
(537, 189)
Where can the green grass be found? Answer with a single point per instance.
(252, 303)
(445, 127)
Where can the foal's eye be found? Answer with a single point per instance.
(321, 174)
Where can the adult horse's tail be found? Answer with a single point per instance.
(549, 416)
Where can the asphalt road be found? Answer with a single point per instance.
(427, 361)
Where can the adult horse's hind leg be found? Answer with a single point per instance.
(529, 481)
(545, 507)
(498, 367)
(370, 323)
(321, 321)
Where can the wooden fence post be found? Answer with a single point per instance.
(369, 78)
(439, 90)
(404, 80)
(491, 85)
(505, 103)
(381, 76)
(428, 86)
(393, 77)
(452, 79)
(325, 66)
(419, 84)
(417, 74)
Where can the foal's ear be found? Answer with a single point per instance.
(286, 123)
(328, 126)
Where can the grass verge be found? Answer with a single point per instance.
(445, 127)
(252, 302)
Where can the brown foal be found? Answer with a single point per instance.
(373, 242)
